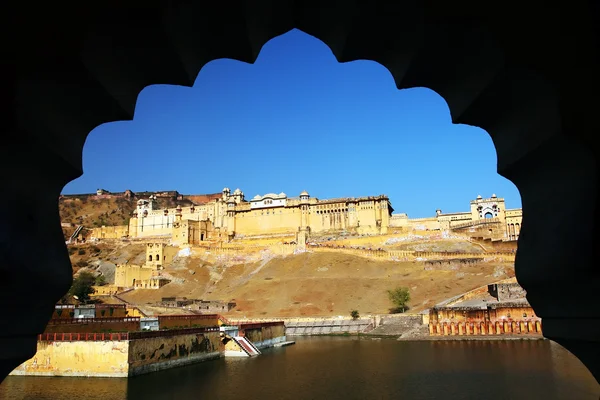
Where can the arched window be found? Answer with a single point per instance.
(488, 215)
(150, 257)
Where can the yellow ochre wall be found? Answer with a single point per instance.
(275, 220)
(120, 358)
(125, 274)
(111, 232)
(161, 253)
(106, 290)
(84, 358)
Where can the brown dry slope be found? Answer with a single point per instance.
(92, 211)
(90, 255)
(319, 284)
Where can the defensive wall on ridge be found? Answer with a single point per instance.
(404, 255)
(398, 255)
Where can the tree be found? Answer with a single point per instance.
(82, 286)
(100, 280)
(354, 314)
(400, 297)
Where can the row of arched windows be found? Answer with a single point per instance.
(513, 230)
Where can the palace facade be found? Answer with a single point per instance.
(227, 215)
(231, 215)
(487, 216)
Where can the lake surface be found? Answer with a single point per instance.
(347, 368)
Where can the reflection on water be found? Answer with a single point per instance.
(347, 368)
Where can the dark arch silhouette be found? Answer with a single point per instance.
(527, 78)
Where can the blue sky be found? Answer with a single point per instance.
(296, 120)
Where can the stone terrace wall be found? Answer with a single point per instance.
(120, 354)
(171, 350)
(264, 334)
(78, 358)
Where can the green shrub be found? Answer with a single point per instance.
(400, 298)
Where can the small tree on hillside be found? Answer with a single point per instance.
(100, 280)
(82, 286)
(354, 314)
(400, 297)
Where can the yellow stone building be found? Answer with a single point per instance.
(146, 276)
(228, 215)
(232, 215)
(500, 222)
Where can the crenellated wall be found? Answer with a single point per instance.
(91, 325)
(405, 255)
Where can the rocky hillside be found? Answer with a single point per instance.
(93, 211)
(102, 258)
(316, 284)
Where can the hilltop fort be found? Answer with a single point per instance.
(314, 256)
(225, 216)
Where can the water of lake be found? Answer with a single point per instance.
(347, 368)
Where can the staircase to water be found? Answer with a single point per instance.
(247, 346)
